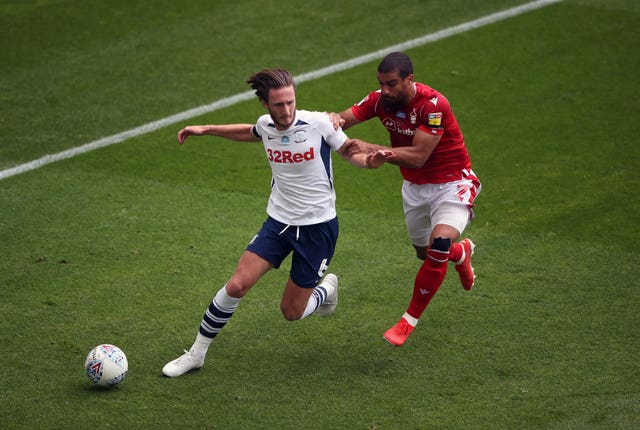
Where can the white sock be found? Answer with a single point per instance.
(411, 320)
(225, 300)
(319, 295)
(216, 316)
(201, 345)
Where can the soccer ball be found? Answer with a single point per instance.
(106, 365)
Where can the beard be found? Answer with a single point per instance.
(282, 123)
(392, 105)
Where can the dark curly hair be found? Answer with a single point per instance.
(267, 79)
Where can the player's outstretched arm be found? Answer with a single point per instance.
(357, 145)
(418, 153)
(238, 132)
(365, 159)
(413, 156)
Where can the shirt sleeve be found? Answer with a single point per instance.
(365, 109)
(258, 129)
(435, 116)
(335, 138)
(254, 131)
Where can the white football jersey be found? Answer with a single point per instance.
(302, 190)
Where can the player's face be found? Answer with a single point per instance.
(396, 92)
(282, 106)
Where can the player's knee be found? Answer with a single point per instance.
(290, 314)
(235, 288)
(438, 252)
(441, 244)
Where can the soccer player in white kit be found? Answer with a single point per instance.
(301, 212)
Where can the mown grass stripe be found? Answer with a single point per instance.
(232, 100)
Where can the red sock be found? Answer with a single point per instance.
(455, 252)
(428, 281)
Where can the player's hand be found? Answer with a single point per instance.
(357, 146)
(192, 130)
(336, 119)
(378, 158)
(183, 134)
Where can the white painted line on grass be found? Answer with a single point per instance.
(232, 100)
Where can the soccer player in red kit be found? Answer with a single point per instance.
(439, 186)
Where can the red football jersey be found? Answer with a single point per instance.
(430, 112)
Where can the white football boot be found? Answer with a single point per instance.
(330, 282)
(183, 364)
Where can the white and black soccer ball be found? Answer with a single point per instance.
(106, 365)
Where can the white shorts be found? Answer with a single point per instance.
(428, 205)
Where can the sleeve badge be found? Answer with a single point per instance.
(434, 119)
